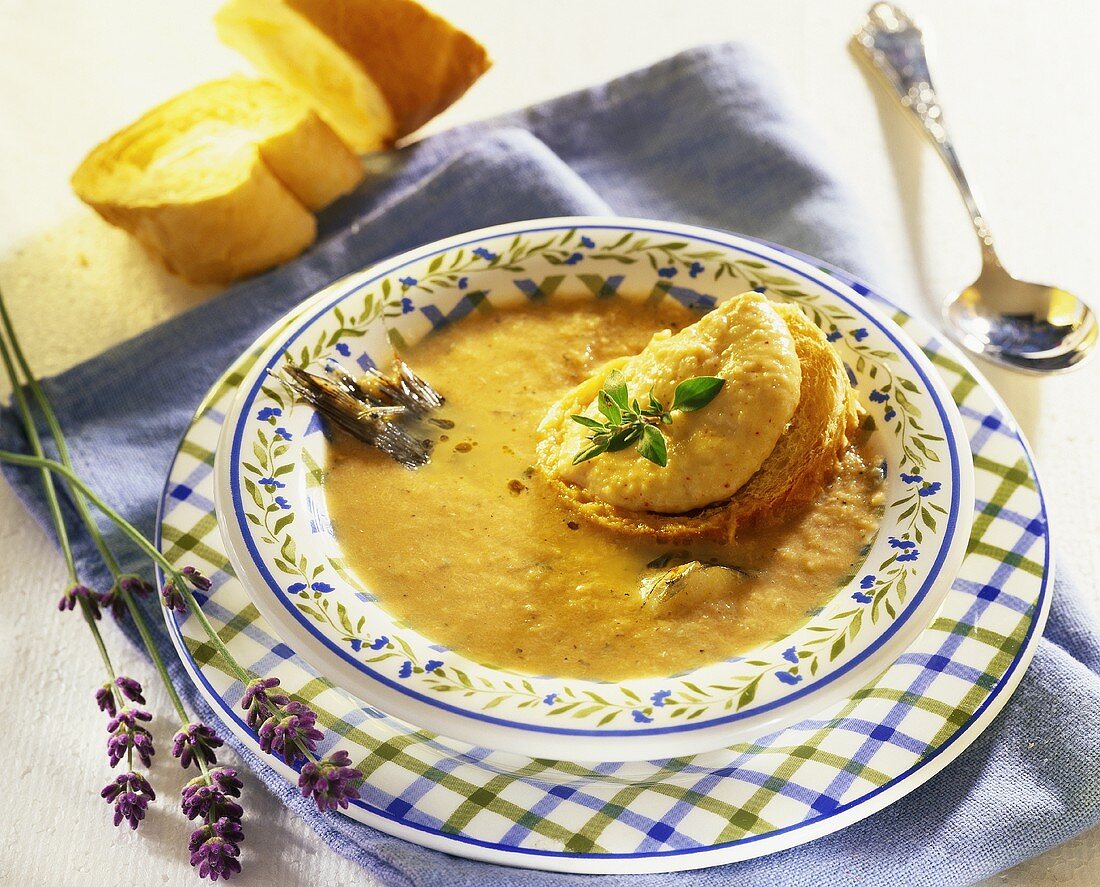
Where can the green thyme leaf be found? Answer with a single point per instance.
(615, 386)
(694, 394)
(609, 408)
(623, 438)
(652, 446)
(586, 422)
(590, 453)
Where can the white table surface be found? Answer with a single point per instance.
(1018, 83)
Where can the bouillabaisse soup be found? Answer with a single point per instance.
(477, 552)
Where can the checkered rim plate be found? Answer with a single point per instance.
(778, 791)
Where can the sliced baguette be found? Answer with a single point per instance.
(803, 461)
(219, 182)
(375, 69)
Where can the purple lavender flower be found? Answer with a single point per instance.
(173, 598)
(135, 585)
(291, 733)
(227, 782)
(131, 794)
(130, 688)
(129, 718)
(112, 601)
(193, 742)
(76, 593)
(105, 699)
(128, 735)
(196, 579)
(215, 847)
(259, 703)
(209, 795)
(204, 801)
(329, 781)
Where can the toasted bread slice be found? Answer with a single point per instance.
(374, 69)
(219, 181)
(803, 461)
(808, 455)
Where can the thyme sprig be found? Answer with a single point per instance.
(626, 422)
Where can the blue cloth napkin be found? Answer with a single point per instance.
(700, 138)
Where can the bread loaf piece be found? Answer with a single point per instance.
(375, 69)
(219, 182)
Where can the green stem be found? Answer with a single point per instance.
(48, 485)
(162, 670)
(85, 611)
(55, 431)
(139, 540)
(36, 448)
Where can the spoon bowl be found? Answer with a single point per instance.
(1029, 327)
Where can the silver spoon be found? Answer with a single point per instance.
(1029, 327)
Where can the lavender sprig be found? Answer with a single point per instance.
(288, 726)
(131, 792)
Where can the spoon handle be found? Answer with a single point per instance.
(894, 47)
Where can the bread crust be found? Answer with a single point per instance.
(218, 182)
(803, 462)
(400, 64)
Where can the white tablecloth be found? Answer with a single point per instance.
(1018, 82)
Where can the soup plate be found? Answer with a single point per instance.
(270, 470)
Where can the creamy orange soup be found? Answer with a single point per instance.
(475, 552)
